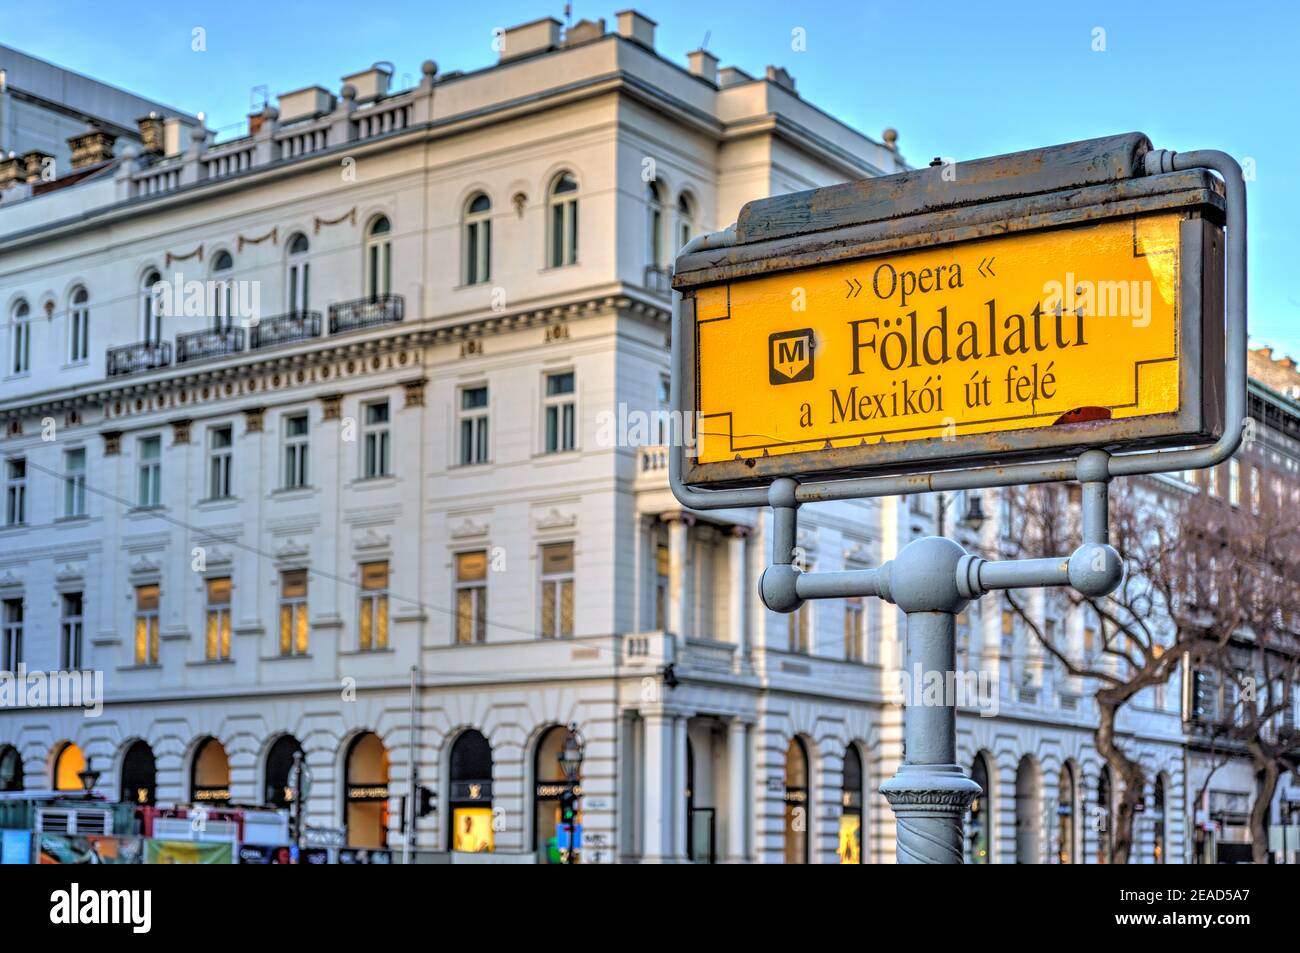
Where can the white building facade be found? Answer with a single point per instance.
(375, 390)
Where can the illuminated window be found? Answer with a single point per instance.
(146, 624)
(68, 767)
(373, 631)
(1234, 482)
(663, 565)
(557, 590)
(293, 612)
(217, 626)
(471, 597)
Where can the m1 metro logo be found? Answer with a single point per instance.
(790, 356)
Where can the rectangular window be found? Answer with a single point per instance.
(1234, 482)
(74, 482)
(13, 634)
(471, 597)
(665, 422)
(146, 625)
(149, 471)
(15, 491)
(474, 425)
(1212, 481)
(663, 563)
(220, 454)
(557, 590)
(373, 624)
(295, 451)
(854, 618)
(560, 412)
(1254, 491)
(70, 631)
(293, 612)
(375, 440)
(217, 629)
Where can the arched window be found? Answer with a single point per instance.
(470, 794)
(139, 775)
(379, 257)
(977, 822)
(1104, 817)
(210, 773)
(477, 251)
(1158, 820)
(151, 307)
(654, 223)
(685, 219)
(279, 771)
(850, 849)
(562, 221)
(1066, 812)
(298, 277)
(796, 802)
(1028, 821)
(365, 792)
(550, 837)
(68, 765)
(219, 306)
(11, 769)
(21, 357)
(78, 325)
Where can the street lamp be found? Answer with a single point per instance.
(570, 758)
(974, 516)
(89, 776)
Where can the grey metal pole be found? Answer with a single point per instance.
(929, 794)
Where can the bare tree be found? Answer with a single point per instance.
(1143, 629)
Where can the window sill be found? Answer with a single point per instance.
(72, 520)
(73, 365)
(14, 527)
(286, 658)
(373, 482)
(383, 651)
(466, 285)
(145, 509)
(20, 376)
(457, 467)
(217, 502)
(559, 455)
(141, 667)
(199, 663)
(294, 492)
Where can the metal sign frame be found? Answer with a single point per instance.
(932, 579)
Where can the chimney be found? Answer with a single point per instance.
(11, 171)
(781, 77)
(703, 64)
(176, 135)
(370, 83)
(584, 30)
(37, 166)
(733, 76)
(535, 37)
(305, 103)
(91, 148)
(151, 132)
(636, 27)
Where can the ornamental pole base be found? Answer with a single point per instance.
(930, 803)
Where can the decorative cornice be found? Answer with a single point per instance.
(333, 358)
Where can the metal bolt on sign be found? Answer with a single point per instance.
(1180, 407)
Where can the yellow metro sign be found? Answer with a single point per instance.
(1026, 345)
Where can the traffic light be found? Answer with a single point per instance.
(568, 806)
(425, 806)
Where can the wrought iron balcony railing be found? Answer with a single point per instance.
(207, 344)
(285, 329)
(366, 313)
(139, 357)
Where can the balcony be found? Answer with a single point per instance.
(285, 329)
(139, 357)
(658, 280)
(366, 313)
(205, 345)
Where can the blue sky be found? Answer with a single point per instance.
(956, 79)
